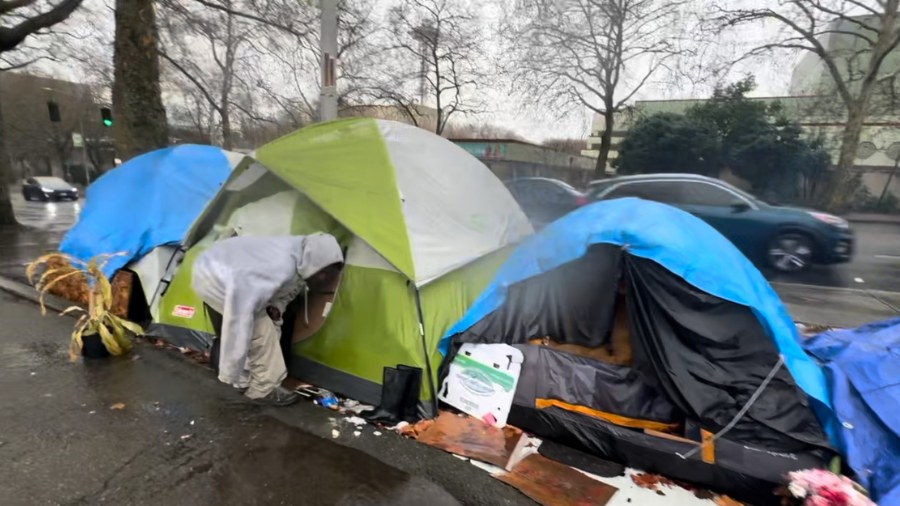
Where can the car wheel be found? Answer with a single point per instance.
(791, 252)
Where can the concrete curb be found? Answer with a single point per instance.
(27, 292)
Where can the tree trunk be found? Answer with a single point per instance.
(841, 191)
(605, 145)
(140, 124)
(227, 135)
(7, 216)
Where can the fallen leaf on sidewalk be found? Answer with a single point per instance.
(118, 405)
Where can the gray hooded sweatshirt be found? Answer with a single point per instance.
(240, 276)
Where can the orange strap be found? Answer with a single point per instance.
(624, 421)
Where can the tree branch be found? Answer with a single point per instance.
(11, 37)
(11, 5)
(270, 22)
(200, 87)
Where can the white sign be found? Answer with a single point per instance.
(482, 381)
(77, 140)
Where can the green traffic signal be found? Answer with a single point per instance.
(106, 114)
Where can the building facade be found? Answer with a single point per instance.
(511, 159)
(37, 146)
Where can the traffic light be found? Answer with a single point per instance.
(53, 109)
(106, 113)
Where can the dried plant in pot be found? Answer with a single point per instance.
(98, 332)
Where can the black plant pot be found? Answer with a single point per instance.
(92, 347)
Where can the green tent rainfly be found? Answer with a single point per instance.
(419, 218)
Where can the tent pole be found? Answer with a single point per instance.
(434, 402)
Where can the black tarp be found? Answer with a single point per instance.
(704, 355)
(709, 356)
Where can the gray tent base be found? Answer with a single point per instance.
(345, 384)
(181, 337)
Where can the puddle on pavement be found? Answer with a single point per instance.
(272, 462)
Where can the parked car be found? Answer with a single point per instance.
(48, 188)
(787, 238)
(544, 199)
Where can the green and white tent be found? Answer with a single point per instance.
(419, 218)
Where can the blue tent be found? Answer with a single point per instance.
(149, 201)
(863, 367)
(682, 244)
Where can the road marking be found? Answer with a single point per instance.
(888, 257)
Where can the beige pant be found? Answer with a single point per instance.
(265, 363)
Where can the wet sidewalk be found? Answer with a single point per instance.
(154, 428)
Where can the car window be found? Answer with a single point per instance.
(30, 181)
(542, 192)
(660, 191)
(53, 183)
(556, 192)
(704, 194)
(521, 191)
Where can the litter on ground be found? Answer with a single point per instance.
(355, 420)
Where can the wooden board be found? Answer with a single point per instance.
(550, 483)
(470, 437)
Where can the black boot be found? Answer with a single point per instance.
(393, 388)
(413, 379)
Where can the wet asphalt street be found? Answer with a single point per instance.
(182, 438)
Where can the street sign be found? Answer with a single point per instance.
(77, 140)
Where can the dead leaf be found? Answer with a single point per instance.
(118, 405)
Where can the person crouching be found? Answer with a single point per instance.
(250, 281)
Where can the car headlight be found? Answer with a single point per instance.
(46, 190)
(830, 219)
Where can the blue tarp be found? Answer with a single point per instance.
(680, 242)
(148, 201)
(863, 369)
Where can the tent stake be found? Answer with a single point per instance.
(434, 402)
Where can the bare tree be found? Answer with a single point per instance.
(432, 60)
(222, 48)
(592, 53)
(857, 68)
(28, 18)
(20, 19)
(141, 123)
(206, 47)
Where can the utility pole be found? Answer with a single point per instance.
(328, 47)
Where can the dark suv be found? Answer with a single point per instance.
(787, 238)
